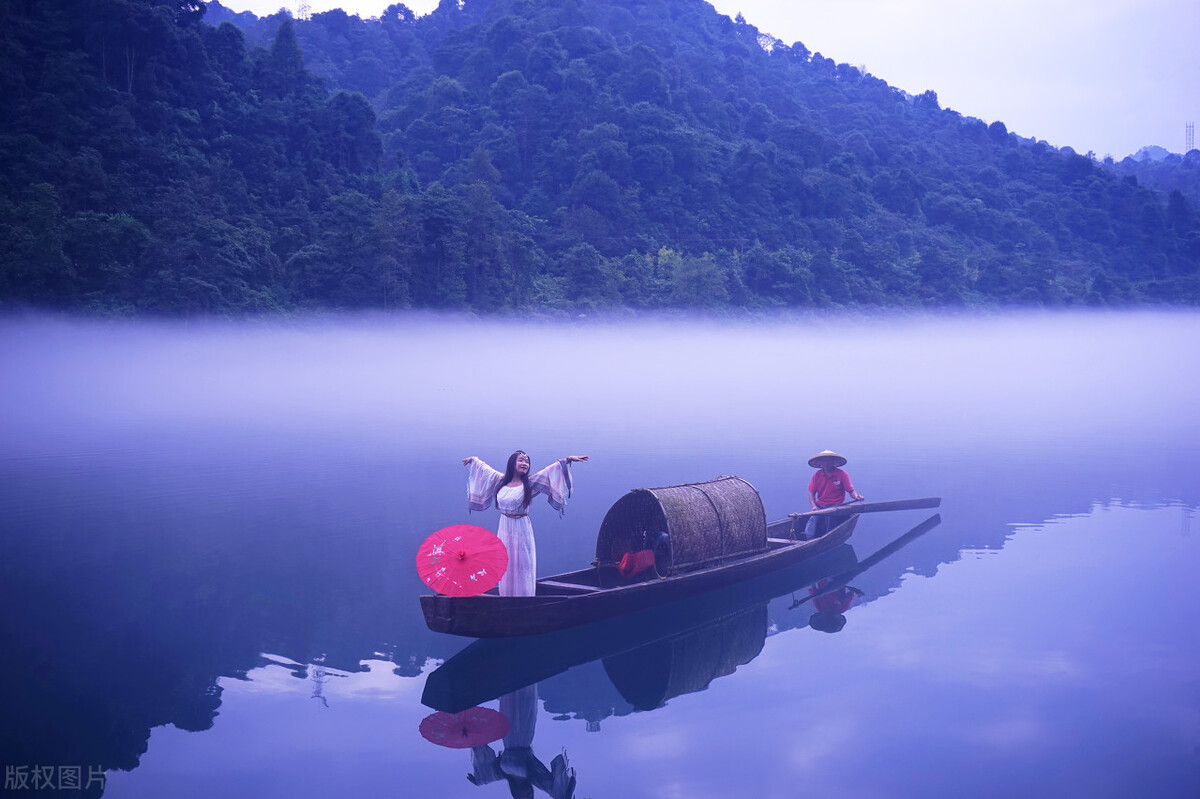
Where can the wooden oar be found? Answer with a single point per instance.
(871, 507)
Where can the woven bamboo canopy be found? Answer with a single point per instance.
(705, 523)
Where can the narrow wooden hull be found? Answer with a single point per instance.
(568, 600)
(491, 667)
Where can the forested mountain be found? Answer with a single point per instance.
(1174, 174)
(495, 155)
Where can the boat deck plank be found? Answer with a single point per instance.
(572, 588)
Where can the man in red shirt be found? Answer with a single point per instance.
(827, 488)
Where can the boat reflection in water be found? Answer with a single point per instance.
(682, 663)
(650, 675)
(648, 657)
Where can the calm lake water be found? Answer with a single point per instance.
(207, 583)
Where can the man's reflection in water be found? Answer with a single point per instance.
(830, 606)
(516, 763)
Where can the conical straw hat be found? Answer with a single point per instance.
(841, 459)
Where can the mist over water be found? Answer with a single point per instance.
(199, 519)
(896, 386)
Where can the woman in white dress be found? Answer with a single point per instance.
(512, 492)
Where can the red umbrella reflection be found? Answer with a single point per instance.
(462, 560)
(474, 727)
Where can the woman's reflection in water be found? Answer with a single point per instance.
(516, 763)
(830, 606)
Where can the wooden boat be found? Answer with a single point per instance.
(709, 535)
(490, 667)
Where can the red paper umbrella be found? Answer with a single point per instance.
(474, 727)
(462, 560)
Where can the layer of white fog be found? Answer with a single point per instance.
(436, 385)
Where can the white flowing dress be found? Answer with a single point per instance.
(516, 530)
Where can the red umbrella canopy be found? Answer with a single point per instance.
(462, 560)
(474, 727)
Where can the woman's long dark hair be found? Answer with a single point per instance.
(511, 470)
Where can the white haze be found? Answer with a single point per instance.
(453, 386)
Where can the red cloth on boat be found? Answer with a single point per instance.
(636, 562)
(830, 489)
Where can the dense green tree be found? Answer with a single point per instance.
(174, 156)
(696, 281)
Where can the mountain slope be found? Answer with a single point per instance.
(515, 154)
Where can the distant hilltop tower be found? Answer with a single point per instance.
(1189, 138)
(304, 11)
